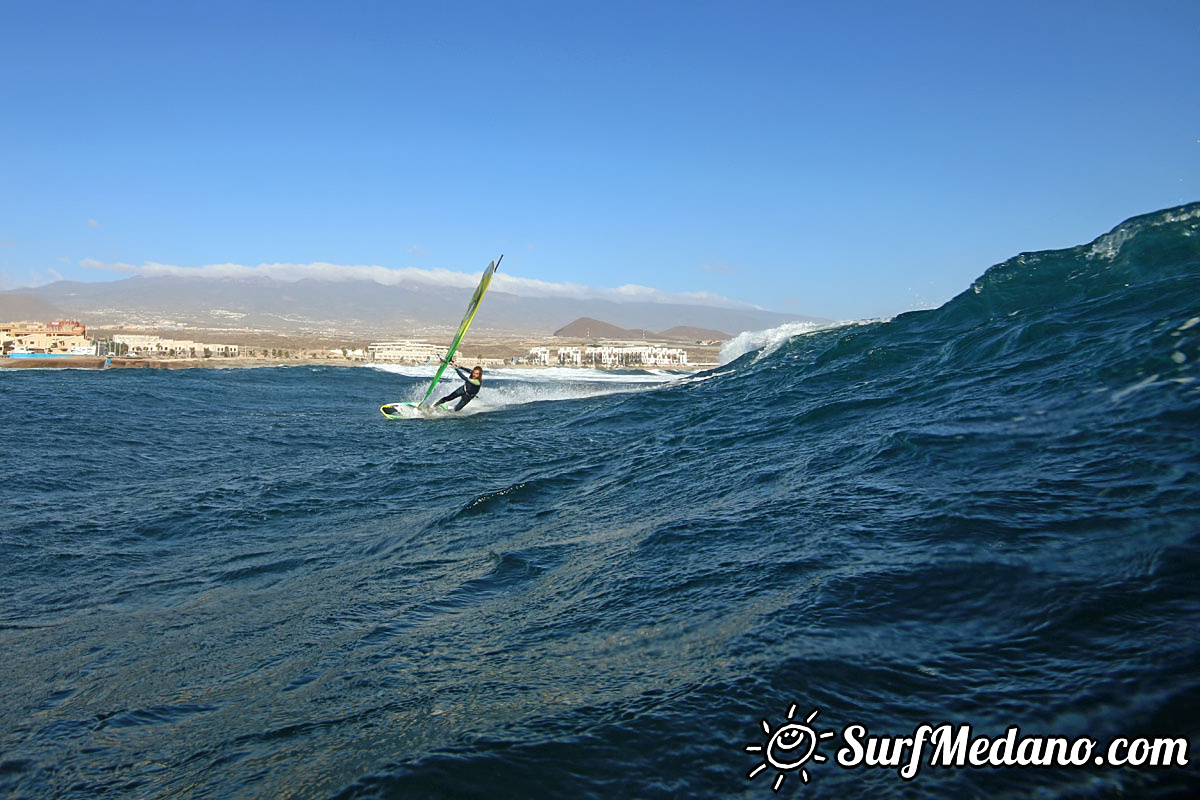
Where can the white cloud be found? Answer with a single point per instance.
(5, 244)
(412, 276)
(418, 251)
(93, 224)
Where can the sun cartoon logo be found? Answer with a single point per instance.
(789, 748)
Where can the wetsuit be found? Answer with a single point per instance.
(467, 391)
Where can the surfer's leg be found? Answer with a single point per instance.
(456, 393)
(466, 399)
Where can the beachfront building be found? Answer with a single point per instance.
(539, 356)
(158, 347)
(667, 356)
(404, 352)
(60, 337)
(570, 357)
(613, 356)
(354, 353)
(480, 361)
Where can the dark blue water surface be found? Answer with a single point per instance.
(248, 583)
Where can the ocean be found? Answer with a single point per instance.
(249, 583)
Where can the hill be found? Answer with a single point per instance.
(22, 308)
(589, 328)
(594, 329)
(368, 308)
(686, 333)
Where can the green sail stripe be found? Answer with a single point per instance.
(472, 308)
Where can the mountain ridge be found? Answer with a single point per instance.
(366, 307)
(591, 328)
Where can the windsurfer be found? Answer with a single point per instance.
(471, 382)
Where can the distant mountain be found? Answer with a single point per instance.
(23, 308)
(686, 333)
(364, 307)
(589, 328)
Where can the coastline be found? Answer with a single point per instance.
(492, 351)
(99, 363)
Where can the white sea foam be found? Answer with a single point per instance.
(542, 375)
(512, 387)
(1118, 396)
(519, 393)
(768, 341)
(1109, 245)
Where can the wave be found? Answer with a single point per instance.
(1145, 269)
(767, 341)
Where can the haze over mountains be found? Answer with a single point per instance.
(592, 329)
(356, 306)
(18, 308)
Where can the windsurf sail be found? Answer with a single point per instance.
(472, 307)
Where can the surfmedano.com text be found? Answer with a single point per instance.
(954, 746)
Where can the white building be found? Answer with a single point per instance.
(610, 356)
(141, 345)
(404, 352)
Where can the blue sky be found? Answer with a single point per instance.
(844, 160)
